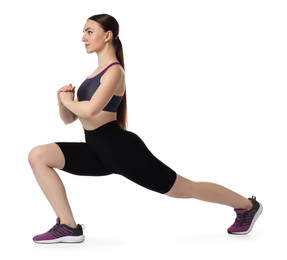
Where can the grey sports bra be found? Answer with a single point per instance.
(90, 86)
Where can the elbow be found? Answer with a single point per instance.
(91, 113)
(67, 122)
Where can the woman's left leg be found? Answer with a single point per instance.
(247, 209)
(209, 192)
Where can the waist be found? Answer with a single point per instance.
(105, 133)
(101, 119)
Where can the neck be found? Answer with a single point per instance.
(106, 57)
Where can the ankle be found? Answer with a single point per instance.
(249, 205)
(70, 224)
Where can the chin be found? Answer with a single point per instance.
(90, 51)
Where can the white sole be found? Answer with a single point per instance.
(66, 239)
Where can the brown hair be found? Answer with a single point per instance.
(109, 23)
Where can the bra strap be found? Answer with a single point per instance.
(110, 65)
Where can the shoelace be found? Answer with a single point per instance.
(240, 218)
(54, 228)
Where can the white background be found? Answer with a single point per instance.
(206, 89)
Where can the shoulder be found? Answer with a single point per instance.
(116, 71)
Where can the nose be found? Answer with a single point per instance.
(84, 38)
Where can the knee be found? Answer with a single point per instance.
(182, 188)
(179, 194)
(35, 156)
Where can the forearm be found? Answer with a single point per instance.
(81, 109)
(66, 115)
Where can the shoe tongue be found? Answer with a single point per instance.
(58, 222)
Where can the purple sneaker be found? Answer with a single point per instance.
(61, 233)
(246, 218)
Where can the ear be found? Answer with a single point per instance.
(109, 36)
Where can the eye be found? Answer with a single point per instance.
(89, 32)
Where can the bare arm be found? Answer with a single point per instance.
(66, 115)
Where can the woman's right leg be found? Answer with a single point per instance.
(43, 159)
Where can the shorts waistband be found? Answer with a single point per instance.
(105, 127)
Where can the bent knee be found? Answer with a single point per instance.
(49, 155)
(36, 155)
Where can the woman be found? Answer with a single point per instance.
(100, 105)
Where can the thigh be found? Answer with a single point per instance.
(137, 163)
(79, 159)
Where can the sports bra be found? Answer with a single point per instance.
(90, 86)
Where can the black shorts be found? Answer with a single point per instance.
(111, 149)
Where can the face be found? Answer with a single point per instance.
(94, 37)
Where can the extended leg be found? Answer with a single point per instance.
(210, 192)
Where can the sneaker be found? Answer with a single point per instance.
(61, 233)
(245, 219)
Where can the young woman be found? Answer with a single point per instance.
(100, 105)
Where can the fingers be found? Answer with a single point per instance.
(67, 88)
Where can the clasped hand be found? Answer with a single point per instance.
(66, 93)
